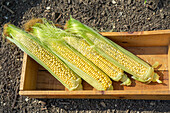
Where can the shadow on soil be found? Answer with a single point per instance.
(107, 105)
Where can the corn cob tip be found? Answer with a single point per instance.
(5, 30)
(156, 78)
(155, 65)
(125, 80)
(32, 22)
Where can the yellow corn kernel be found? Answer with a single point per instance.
(83, 47)
(56, 65)
(127, 62)
(83, 65)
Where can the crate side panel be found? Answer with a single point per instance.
(143, 38)
(153, 40)
(169, 62)
(29, 73)
(157, 95)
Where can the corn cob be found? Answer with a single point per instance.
(53, 38)
(122, 58)
(109, 68)
(43, 56)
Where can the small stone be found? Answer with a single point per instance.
(120, 13)
(4, 104)
(48, 7)
(44, 108)
(35, 101)
(127, 26)
(114, 26)
(148, 19)
(65, 107)
(46, 14)
(133, 7)
(69, 1)
(27, 99)
(42, 102)
(162, 15)
(103, 104)
(47, 11)
(113, 2)
(0, 67)
(6, 17)
(152, 103)
(16, 52)
(53, 15)
(161, 10)
(7, 3)
(18, 59)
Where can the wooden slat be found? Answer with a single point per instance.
(143, 38)
(139, 33)
(148, 97)
(29, 73)
(116, 94)
(169, 62)
(22, 80)
(91, 92)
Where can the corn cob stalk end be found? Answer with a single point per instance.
(125, 80)
(156, 78)
(155, 65)
(6, 30)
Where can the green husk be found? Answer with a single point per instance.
(16, 36)
(53, 37)
(75, 42)
(76, 27)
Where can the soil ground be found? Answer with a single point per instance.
(110, 15)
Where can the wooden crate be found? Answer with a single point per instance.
(150, 46)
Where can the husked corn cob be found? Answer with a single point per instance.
(53, 38)
(122, 58)
(44, 57)
(109, 68)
